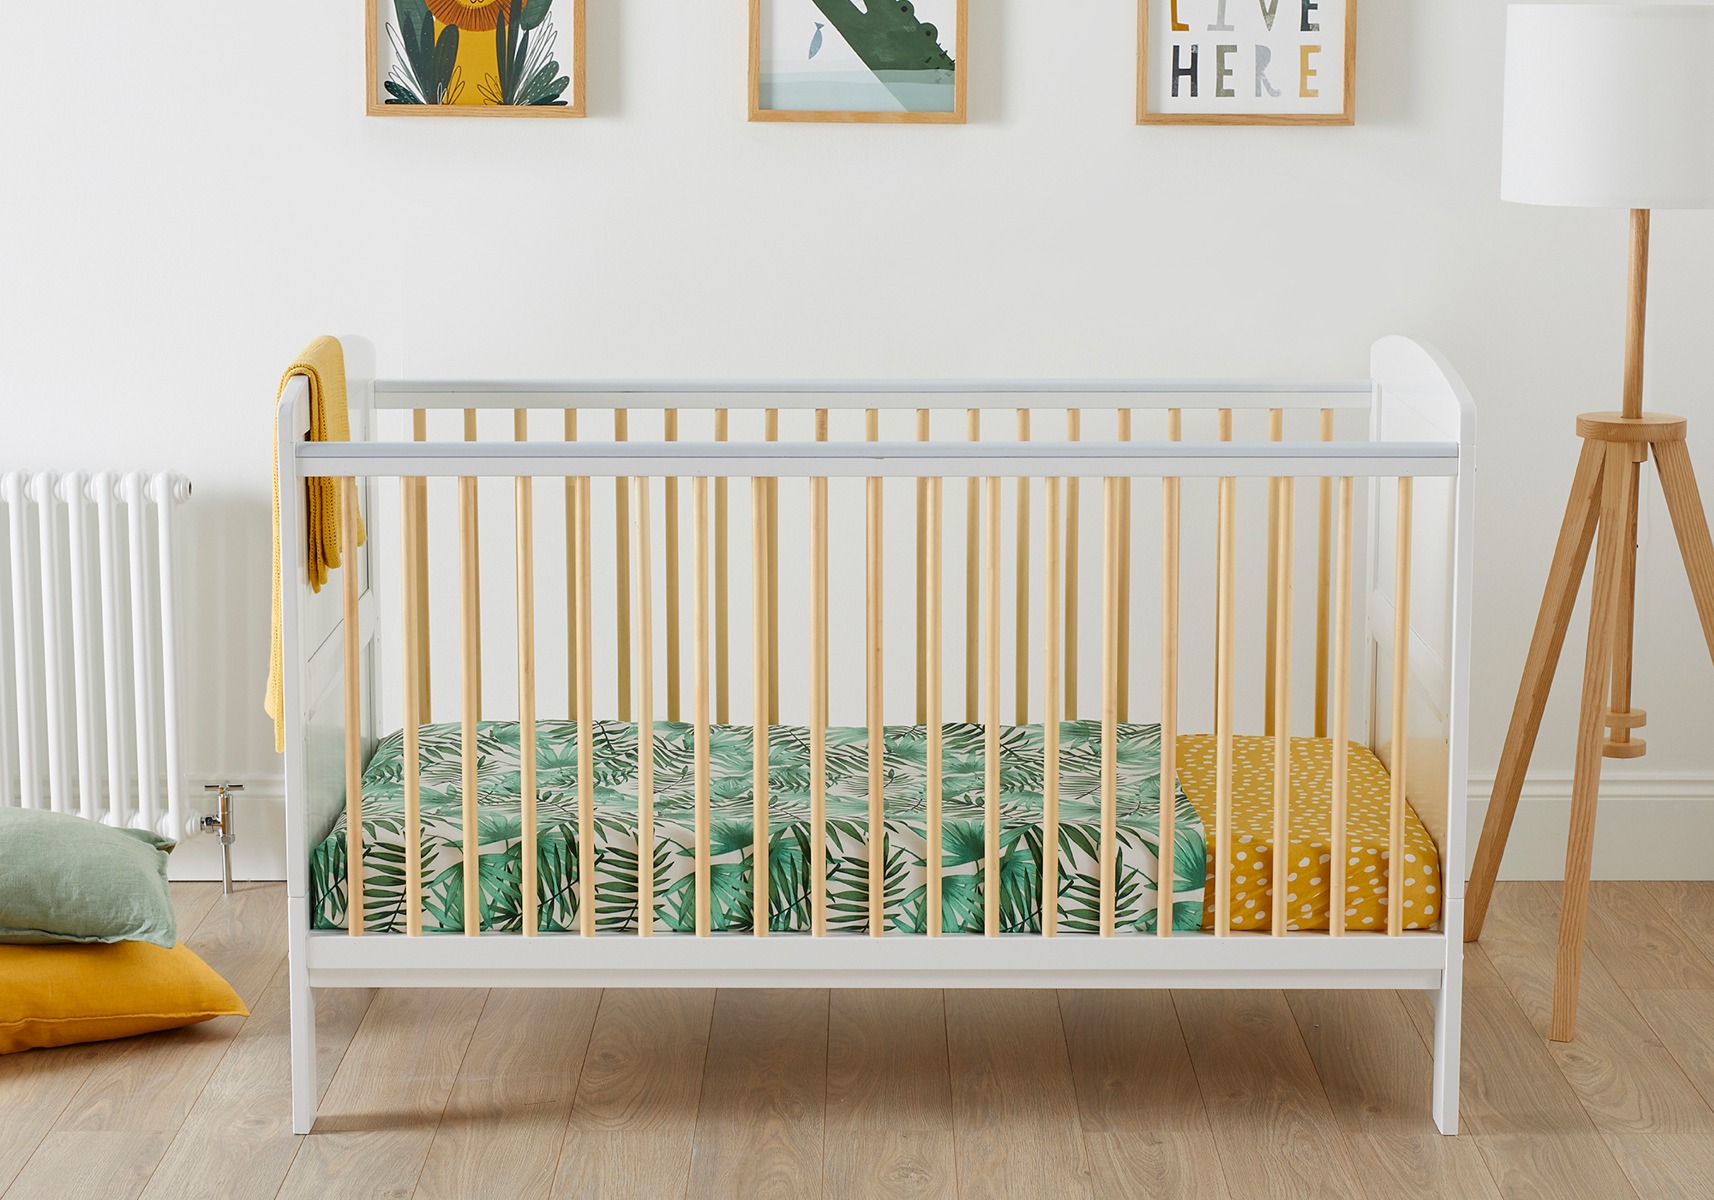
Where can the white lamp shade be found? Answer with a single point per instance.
(1609, 105)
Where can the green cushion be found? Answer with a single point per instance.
(65, 879)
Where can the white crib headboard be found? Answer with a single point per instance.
(314, 629)
(1419, 397)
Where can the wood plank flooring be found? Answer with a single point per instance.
(1217, 1095)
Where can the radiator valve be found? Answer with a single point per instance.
(223, 823)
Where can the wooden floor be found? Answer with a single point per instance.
(848, 1094)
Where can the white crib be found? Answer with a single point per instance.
(1388, 660)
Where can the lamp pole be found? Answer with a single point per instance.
(1636, 313)
(1621, 717)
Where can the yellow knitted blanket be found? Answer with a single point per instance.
(323, 364)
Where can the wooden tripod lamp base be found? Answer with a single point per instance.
(1603, 513)
(1606, 106)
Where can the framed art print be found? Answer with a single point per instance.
(1246, 62)
(475, 58)
(899, 61)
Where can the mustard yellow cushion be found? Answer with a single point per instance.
(57, 995)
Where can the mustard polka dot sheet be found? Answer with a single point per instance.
(1309, 880)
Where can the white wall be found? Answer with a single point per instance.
(196, 198)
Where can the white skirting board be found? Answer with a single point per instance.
(260, 818)
(1649, 826)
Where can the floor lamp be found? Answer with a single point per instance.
(1607, 106)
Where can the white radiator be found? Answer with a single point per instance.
(89, 650)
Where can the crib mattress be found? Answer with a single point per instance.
(904, 759)
(1308, 899)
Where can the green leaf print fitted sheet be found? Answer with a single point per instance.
(499, 832)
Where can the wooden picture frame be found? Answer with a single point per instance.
(940, 100)
(1249, 28)
(389, 76)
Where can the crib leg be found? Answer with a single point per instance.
(1448, 1024)
(304, 1083)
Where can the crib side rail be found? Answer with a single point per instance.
(1057, 475)
(658, 476)
(867, 460)
(882, 395)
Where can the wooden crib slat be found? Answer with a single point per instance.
(621, 576)
(419, 503)
(1286, 493)
(1124, 643)
(1171, 558)
(413, 622)
(818, 695)
(1225, 434)
(922, 581)
(932, 713)
(1276, 432)
(1073, 499)
(699, 671)
(874, 651)
(771, 431)
(973, 582)
(1323, 582)
(1021, 593)
(353, 710)
(1050, 709)
(759, 690)
(1338, 851)
(991, 721)
(722, 588)
(818, 688)
(585, 720)
(476, 558)
(470, 671)
(570, 577)
(1111, 496)
(669, 537)
(1401, 698)
(1225, 622)
(645, 714)
(526, 563)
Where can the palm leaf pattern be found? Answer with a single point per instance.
(619, 859)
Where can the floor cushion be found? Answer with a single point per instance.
(57, 995)
(67, 879)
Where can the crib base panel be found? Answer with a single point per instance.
(1412, 961)
(430, 977)
(1415, 962)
